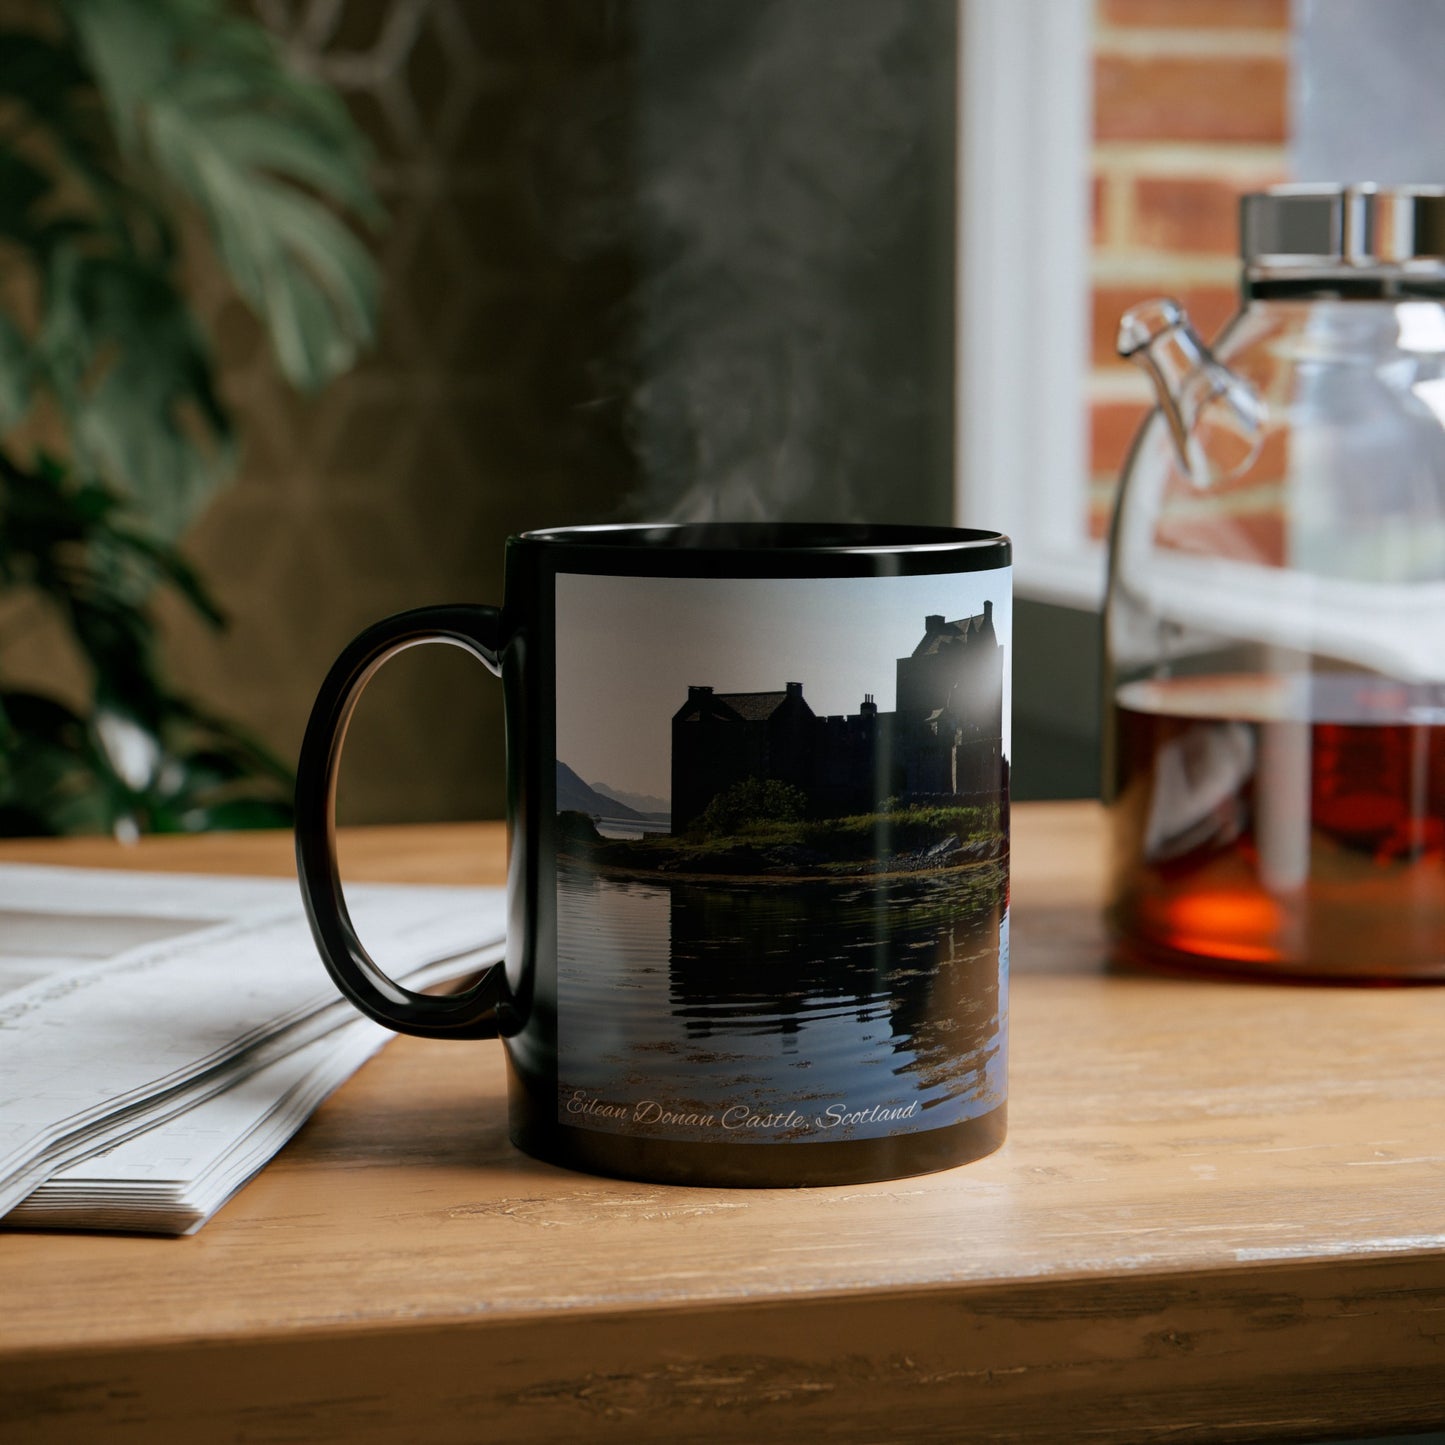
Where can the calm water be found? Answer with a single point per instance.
(760, 1010)
(629, 827)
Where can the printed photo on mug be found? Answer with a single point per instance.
(782, 876)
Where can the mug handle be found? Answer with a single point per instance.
(471, 1014)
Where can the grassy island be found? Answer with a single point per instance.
(733, 842)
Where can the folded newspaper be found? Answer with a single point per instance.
(162, 1035)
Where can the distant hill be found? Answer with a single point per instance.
(644, 803)
(576, 796)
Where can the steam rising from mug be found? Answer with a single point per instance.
(783, 338)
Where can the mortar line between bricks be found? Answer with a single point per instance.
(1184, 43)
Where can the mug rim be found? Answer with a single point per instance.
(778, 539)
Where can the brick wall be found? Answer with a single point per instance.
(1190, 111)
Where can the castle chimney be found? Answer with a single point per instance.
(988, 612)
(696, 694)
(795, 689)
(932, 624)
(869, 708)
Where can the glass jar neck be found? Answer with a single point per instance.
(1343, 283)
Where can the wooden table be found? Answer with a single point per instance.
(1220, 1215)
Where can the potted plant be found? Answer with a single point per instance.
(121, 123)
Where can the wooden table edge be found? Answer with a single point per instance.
(1121, 1359)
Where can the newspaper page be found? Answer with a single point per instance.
(128, 1000)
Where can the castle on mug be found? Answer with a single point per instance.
(944, 742)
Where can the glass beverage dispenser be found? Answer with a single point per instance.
(1275, 624)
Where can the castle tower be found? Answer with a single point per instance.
(950, 706)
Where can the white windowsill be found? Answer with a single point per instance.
(1025, 129)
(1073, 578)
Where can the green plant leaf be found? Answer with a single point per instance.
(236, 741)
(132, 374)
(235, 813)
(49, 86)
(130, 49)
(168, 564)
(209, 103)
(72, 544)
(21, 186)
(49, 783)
(15, 374)
(311, 281)
(52, 91)
(39, 74)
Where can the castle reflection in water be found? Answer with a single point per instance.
(887, 996)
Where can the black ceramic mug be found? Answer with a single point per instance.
(758, 870)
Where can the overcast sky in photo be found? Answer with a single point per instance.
(628, 648)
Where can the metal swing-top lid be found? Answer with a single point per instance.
(1343, 228)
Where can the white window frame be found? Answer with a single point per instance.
(1025, 136)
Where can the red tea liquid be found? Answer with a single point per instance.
(1286, 826)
